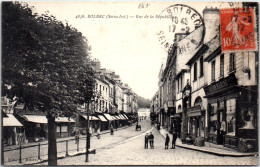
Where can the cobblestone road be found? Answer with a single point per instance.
(130, 150)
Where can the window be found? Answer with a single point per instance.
(222, 65)
(232, 62)
(213, 70)
(178, 86)
(169, 85)
(181, 84)
(201, 67)
(195, 72)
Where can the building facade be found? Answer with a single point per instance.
(214, 93)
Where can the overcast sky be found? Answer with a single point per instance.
(130, 46)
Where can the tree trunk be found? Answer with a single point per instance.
(52, 143)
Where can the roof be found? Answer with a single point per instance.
(199, 53)
(10, 120)
(213, 45)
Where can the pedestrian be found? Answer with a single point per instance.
(98, 133)
(77, 135)
(111, 130)
(20, 139)
(174, 137)
(167, 140)
(151, 140)
(146, 141)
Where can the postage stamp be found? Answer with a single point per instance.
(237, 29)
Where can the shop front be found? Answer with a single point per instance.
(196, 121)
(94, 122)
(176, 123)
(35, 127)
(64, 126)
(11, 129)
(104, 125)
(232, 113)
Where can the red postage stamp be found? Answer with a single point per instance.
(238, 29)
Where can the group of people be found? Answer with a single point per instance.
(150, 139)
(167, 140)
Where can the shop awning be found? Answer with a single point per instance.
(64, 119)
(40, 119)
(118, 118)
(10, 120)
(91, 118)
(125, 116)
(102, 118)
(115, 117)
(108, 117)
(122, 117)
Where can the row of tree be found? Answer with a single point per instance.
(45, 65)
(143, 102)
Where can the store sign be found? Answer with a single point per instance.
(221, 84)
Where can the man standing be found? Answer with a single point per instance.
(146, 141)
(151, 138)
(167, 140)
(111, 130)
(174, 138)
(77, 132)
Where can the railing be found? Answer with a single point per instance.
(36, 152)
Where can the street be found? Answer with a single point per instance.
(126, 147)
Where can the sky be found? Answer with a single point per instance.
(130, 46)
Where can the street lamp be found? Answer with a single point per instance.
(87, 137)
(97, 96)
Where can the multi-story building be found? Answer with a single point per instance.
(215, 91)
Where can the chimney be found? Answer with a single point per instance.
(211, 20)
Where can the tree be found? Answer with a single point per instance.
(143, 103)
(45, 65)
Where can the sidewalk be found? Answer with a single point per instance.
(207, 149)
(6, 148)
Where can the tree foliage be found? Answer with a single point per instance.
(45, 62)
(45, 65)
(143, 102)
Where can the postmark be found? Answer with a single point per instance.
(237, 29)
(180, 20)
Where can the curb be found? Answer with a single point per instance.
(216, 153)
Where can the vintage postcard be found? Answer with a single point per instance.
(129, 83)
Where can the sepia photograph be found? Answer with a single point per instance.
(129, 83)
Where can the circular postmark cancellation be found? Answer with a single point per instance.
(179, 21)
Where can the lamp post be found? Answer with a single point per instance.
(87, 133)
